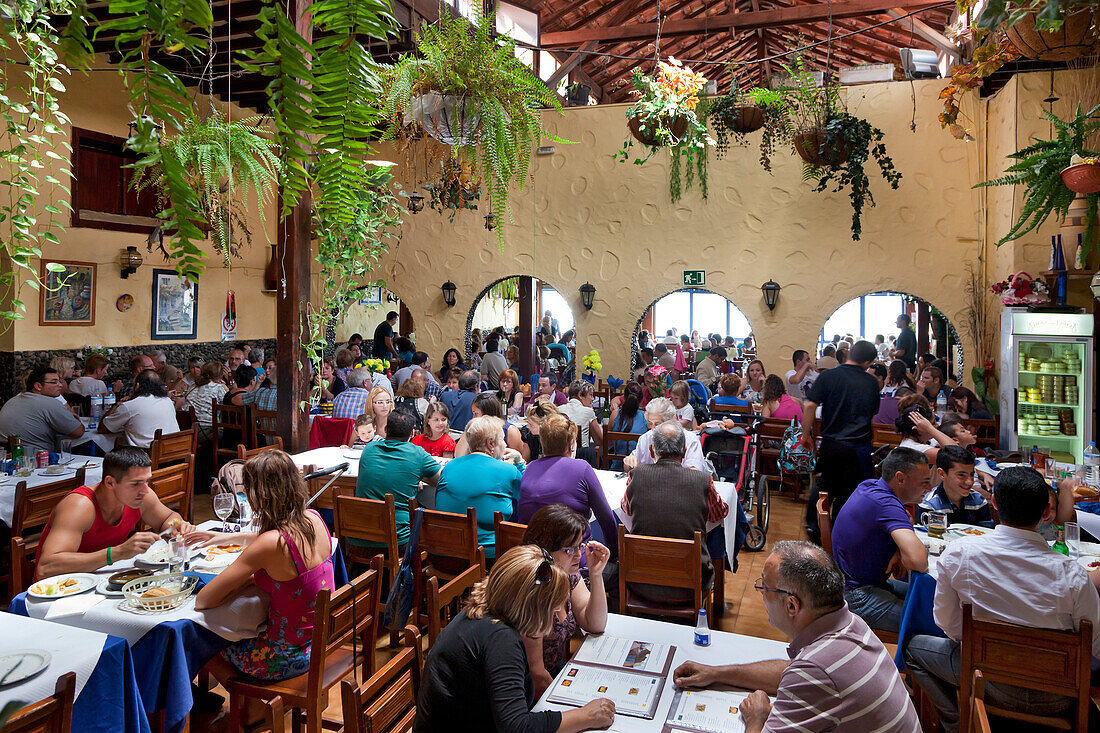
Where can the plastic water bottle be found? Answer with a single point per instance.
(941, 405)
(109, 400)
(702, 631)
(1091, 460)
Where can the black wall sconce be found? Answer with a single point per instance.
(771, 293)
(449, 289)
(416, 203)
(491, 221)
(129, 260)
(588, 292)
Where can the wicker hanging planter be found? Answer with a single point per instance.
(450, 119)
(810, 146)
(744, 119)
(1076, 38)
(1082, 178)
(645, 132)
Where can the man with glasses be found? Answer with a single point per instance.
(839, 676)
(36, 416)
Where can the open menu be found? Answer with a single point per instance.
(629, 672)
(711, 711)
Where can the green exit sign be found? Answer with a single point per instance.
(695, 278)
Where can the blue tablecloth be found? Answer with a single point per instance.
(916, 614)
(110, 701)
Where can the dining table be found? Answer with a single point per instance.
(169, 649)
(93, 472)
(724, 648)
(107, 697)
(105, 441)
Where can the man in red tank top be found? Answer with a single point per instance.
(94, 526)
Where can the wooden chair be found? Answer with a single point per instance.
(339, 617)
(275, 715)
(228, 418)
(1036, 659)
(327, 500)
(245, 453)
(979, 719)
(81, 404)
(186, 418)
(447, 547)
(441, 598)
(732, 411)
(33, 508)
(885, 435)
(988, 432)
(371, 520)
(264, 431)
(825, 521)
(173, 447)
(665, 562)
(508, 534)
(386, 701)
(610, 439)
(174, 485)
(53, 714)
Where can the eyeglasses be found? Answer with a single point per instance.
(383, 402)
(763, 587)
(575, 549)
(545, 571)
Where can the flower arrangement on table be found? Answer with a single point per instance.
(664, 116)
(375, 366)
(90, 349)
(662, 381)
(592, 365)
(1020, 289)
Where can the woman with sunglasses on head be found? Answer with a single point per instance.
(561, 531)
(476, 677)
(379, 406)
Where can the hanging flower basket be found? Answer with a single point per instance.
(1021, 289)
(1082, 177)
(644, 129)
(450, 119)
(744, 120)
(810, 146)
(1076, 38)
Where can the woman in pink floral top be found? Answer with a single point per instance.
(560, 531)
(290, 559)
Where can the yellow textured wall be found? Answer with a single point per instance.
(98, 102)
(585, 217)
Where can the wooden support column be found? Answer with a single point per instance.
(404, 320)
(528, 359)
(923, 323)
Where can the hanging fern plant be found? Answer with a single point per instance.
(466, 87)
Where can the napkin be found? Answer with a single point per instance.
(73, 605)
(614, 383)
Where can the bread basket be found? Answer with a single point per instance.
(179, 586)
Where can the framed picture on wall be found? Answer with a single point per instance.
(67, 297)
(175, 306)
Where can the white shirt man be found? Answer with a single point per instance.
(35, 415)
(579, 410)
(802, 376)
(661, 410)
(140, 418)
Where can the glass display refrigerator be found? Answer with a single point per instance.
(1046, 382)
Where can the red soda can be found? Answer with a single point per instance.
(42, 458)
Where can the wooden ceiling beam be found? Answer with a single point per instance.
(925, 31)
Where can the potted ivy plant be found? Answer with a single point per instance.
(811, 107)
(1039, 167)
(742, 111)
(465, 87)
(665, 117)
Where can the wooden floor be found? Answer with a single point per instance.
(745, 612)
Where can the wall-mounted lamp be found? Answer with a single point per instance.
(416, 203)
(130, 260)
(490, 221)
(143, 120)
(588, 292)
(449, 289)
(771, 293)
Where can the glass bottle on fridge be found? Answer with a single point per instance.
(1046, 383)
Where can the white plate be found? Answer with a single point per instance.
(55, 470)
(18, 666)
(960, 530)
(157, 555)
(101, 589)
(84, 582)
(216, 561)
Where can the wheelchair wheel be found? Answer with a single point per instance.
(763, 504)
(754, 539)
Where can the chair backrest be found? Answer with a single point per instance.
(245, 453)
(885, 435)
(660, 561)
(770, 433)
(233, 418)
(716, 409)
(33, 508)
(82, 404)
(825, 521)
(173, 447)
(330, 432)
(275, 715)
(186, 418)
(372, 520)
(987, 432)
(441, 596)
(1037, 659)
(610, 442)
(53, 714)
(174, 485)
(264, 428)
(979, 719)
(349, 613)
(449, 535)
(508, 534)
(386, 701)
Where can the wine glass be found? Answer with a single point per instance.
(223, 507)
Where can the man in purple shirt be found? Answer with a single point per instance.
(839, 677)
(873, 538)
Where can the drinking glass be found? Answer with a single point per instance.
(66, 447)
(1073, 539)
(223, 507)
(1049, 468)
(177, 553)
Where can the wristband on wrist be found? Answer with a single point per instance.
(108, 555)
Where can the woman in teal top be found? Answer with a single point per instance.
(487, 478)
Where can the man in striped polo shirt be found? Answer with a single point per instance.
(839, 677)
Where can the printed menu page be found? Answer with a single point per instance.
(713, 711)
(634, 694)
(629, 654)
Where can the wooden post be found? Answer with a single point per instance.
(404, 320)
(923, 323)
(528, 360)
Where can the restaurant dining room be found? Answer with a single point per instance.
(549, 365)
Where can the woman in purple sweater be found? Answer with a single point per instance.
(558, 478)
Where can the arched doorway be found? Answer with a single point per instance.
(691, 309)
(499, 304)
(875, 314)
(366, 309)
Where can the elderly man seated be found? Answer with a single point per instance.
(36, 416)
(352, 402)
(661, 410)
(94, 525)
(839, 677)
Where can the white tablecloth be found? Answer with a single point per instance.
(106, 441)
(93, 472)
(725, 648)
(321, 458)
(71, 650)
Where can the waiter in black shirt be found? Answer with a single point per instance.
(849, 399)
(382, 347)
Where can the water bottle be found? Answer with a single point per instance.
(702, 631)
(941, 405)
(97, 407)
(1091, 459)
(108, 400)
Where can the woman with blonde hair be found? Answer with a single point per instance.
(64, 366)
(379, 406)
(476, 676)
(289, 558)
